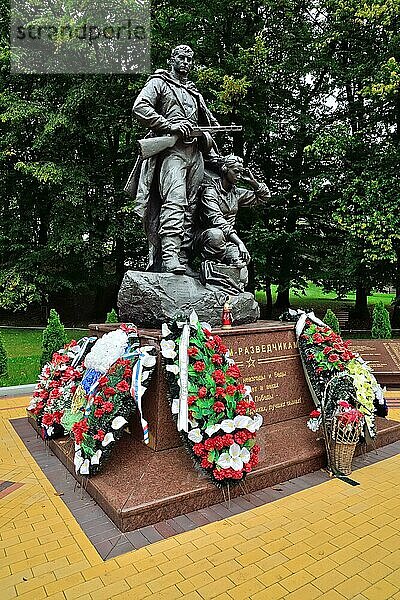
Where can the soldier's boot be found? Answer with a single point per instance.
(185, 253)
(170, 246)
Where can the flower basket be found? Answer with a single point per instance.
(345, 433)
(342, 454)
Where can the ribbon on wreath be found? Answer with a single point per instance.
(137, 391)
(83, 344)
(183, 417)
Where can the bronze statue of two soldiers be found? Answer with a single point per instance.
(180, 210)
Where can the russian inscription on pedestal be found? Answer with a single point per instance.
(270, 363)
(383, 357)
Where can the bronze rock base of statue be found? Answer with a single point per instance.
(151, 299)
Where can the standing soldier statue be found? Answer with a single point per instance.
(167, 176)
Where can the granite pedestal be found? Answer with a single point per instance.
(142, 485)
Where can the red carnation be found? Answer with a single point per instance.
(228, 439)
(127, 373)
(327, 349)
(209, 444)
(109, 391)
(241, 388)
(47, 419)
(192, 351)
(230, 389)
(38, 408)
(233, 371)
(218, 443)
(219, 407)
(218, 376)
(317, 338)
(199, 450)
(241, 407)
(219, 474)
(108, 407)
(220, 392)
(240, 437)
(205, 464)
(217, 359)
(99, 412)
(122, 386)
(199, 366)
(191, 400)
(333, 358)
(222, 348)
(58, 415)
(103, 381)
(210, 344)
(99, 435)
(202, 392)
(123, 361)
(79, 429)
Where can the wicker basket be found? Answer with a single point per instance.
(342, 455)
(343, 444)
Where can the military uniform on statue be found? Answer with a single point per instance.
(225, 256)
(170, 104)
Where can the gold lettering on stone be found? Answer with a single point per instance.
(271, 386)
(263, 397)
(254, 378)
(278, 405)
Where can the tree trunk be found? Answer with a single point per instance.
(396, 311)
(283, 299)
(361, 306)
(268, 295)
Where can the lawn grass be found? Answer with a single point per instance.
(24, 348)
(315, 298)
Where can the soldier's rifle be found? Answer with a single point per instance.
(151, 146)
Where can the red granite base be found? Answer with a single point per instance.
(139, 487)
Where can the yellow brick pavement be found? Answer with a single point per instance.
(333, 542)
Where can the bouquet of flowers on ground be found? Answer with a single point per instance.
(108, 411)
(345, 392)
(347, 423)
(56, 386)
(325, 355)
(215, 412)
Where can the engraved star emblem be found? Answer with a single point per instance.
(251, 362)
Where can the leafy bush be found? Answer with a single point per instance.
(332, 321)
(54, 337)
(112, 317)
(381, 328)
